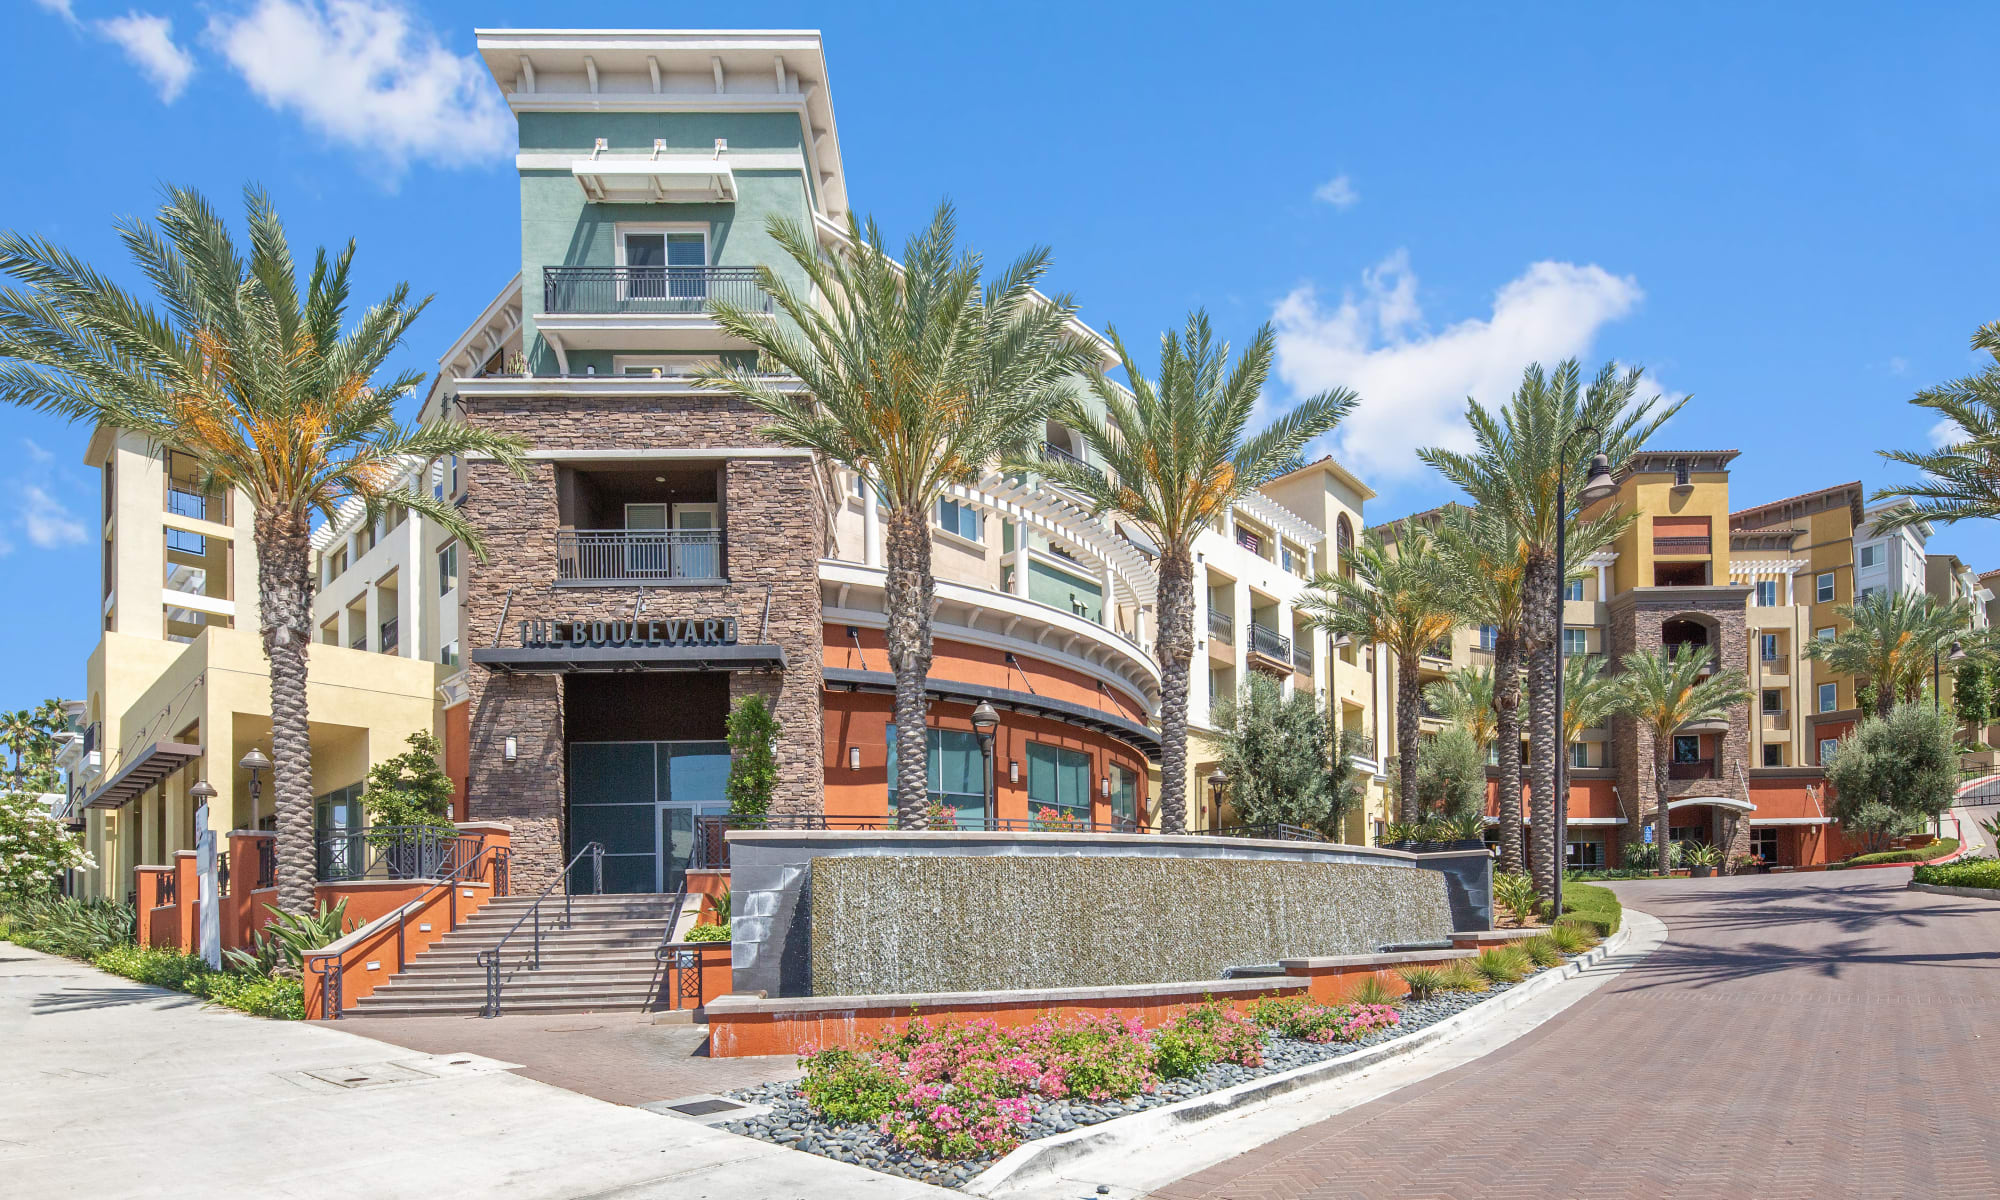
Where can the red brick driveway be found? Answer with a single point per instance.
(1810, 1036)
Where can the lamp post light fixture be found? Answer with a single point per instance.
(1597, 485)
(984, 722)
(255, 763)
(1218, 780)
(1957, 655)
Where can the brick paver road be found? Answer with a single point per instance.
(1810, 1036)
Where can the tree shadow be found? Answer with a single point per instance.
(86, 999)
(1700, 967)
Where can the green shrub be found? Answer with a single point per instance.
(1937, 849)
(1515, 892)
(708, 933)
(1570, 937)
(1425, 982)
(1542, 949)
(1371, 990)
(68, 926)
(1502, 964)
(846, 1087)
(155, 965)
(281, 946)
(261, 996)
(1597, 907)
(1966, 872)
(1463, 976)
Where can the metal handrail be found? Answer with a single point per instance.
(638, 555)
(489, 960)
(1221, 627)
(330, 977)
(396, 851)
(651, 289)
(1270, 643)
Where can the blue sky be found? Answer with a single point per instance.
(1787, 212)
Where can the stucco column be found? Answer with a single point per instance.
(371, 616)
(1107, 612)
(418, 588)
(1021, 559)
(1788, 589)
(871, 526)
(1198, 663)
(1285, 630)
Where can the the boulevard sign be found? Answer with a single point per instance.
(704, 631)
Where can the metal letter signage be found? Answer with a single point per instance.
(708, 631)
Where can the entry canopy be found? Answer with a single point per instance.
(563, 660)
(1729, 802)
(149, 767)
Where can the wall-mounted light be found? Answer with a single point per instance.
(1105, 787)
(1013, 771)
(854, 758)
(508, 749)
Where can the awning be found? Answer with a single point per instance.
(1729, 802)
(639, 179)
(152, 764)
(561, 660)
(1130, 732)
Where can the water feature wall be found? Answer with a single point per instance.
(838, 912)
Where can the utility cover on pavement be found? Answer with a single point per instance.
(707, 1109)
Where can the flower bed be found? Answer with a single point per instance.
(1966, 872)
(938, 1101)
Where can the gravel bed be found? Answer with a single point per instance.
(791, 1122)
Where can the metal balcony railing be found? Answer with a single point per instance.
(395, 852)
(1222, 627)
(1776, 664)
(665, 290)
(1439, 649)
(638, 555)
(1699, 768)
(182, 502)
(1680, 545)
(389, 642)
(1302, 657)
(1270, 643)
(360, 643)
(1053, 453)
(1362, 745)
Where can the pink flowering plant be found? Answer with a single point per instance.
(1364, 1019)
(1049, 819)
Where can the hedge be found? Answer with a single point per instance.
(1966, 872)
(1594, 907)
(258, 995)
(1937, 849)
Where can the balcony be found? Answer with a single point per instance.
(670, 291)
(183, 502)
(389, 641)
(1776, 664)
(359, 643)
(1221, 627)
(1052, 453)
(1681, 545)
(1302, 658)
(636, 556)
(1270, 645)
(1361, 745)
(1697, 768)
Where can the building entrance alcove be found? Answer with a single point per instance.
(647, 755)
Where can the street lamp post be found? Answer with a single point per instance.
(1218, 779)
(984, 722)
(1957, 655)
(1597, 485)
(255, 763)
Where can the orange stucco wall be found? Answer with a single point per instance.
(458, 754)
(986, 667)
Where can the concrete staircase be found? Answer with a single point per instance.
(602, 962)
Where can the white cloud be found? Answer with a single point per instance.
(1898, 365)
(46, 522)
(1339, 192)
(1945, 433)
(36, 454)
(1414, 382)
(369, 74)
(149, 42)
(60, 8)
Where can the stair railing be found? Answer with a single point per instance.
(489, 960)
(675, 962)
(329, 967)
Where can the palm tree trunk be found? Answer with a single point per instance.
(1409, 688)
(1507, 700)
(910, 589)
(284, 617)
(1885, 698)
(1540, 634)
(1662, 751)
(1174, 648)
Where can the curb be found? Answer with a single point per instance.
(1043, 1155)
(1945, 889)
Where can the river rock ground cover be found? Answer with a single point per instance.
(940, 1102)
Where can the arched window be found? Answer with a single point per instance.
(1343, 543)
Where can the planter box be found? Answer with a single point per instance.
(1435, 847)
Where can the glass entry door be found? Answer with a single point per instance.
(641, 800)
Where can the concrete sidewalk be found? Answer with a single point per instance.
(110, 1089)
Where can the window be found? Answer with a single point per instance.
(449, 655)
(1825, 587)
(1764, 844)
(1869, 591)
(1573, 590)
(664, 265)
(1767, 647)
(1767, 593)
(1293, 564)
(957, 774)
(447, 569)
(1576, 642)
(1058, 779)
(1687, 748)
(1870, 556)
(1774, 754)
(1584, 856)
(1579, 754)
(1829, 697)
(960, 519)
(454, 474)
(1489, 636)
(187, 543)
(1682, 472)
(1249, 541)
(1124, 796)
(1826, 748)
(1825, 634)
(1774, 700)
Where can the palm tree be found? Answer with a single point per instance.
(257, 383)
(1176, 456)
(1963, 481)
(1590, 697)
(1488, 560)
(1465, 698)
(1890, 641)
(1666, 693)
(916, 379)
(18, 731)
(1406, 599)
(1519, 465)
